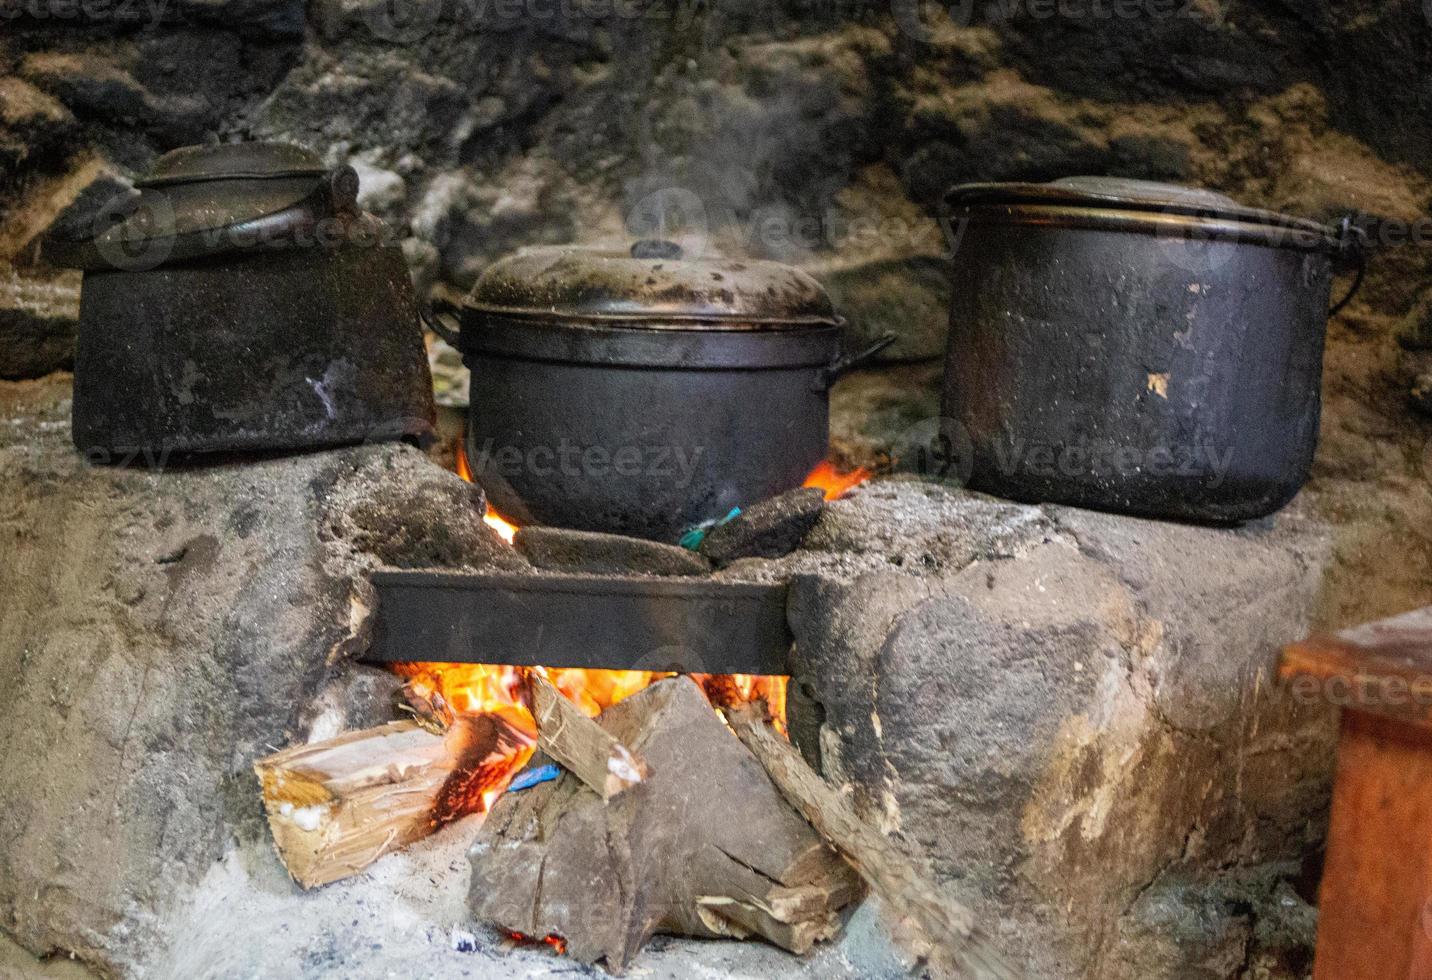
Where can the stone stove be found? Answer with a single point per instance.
(1067, 714)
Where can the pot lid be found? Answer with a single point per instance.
(651, 285)
(1125, 194)
(231, 161)
(260, 191)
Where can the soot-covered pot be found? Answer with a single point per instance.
(1135, 346)
(244, 302)
(640, 392)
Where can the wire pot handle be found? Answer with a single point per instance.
(1352, 252)
(432, 316)
(831, 373)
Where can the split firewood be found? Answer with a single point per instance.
(937, 927)
(704, 846)
(579, 744)
(336, 806)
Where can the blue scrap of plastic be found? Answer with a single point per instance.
(692, 539)
(528, 778)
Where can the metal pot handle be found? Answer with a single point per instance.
(831, 373)
(432, 315)
(341, 186)
(1352, 252)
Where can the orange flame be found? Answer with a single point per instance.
(505, 528)
(456, 694)
(835, 483)
(445, 691)
(463, 470)
(487, 749)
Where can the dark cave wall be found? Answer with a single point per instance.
(490, 123)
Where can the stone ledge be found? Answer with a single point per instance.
(1068, 713)
(1062, 708)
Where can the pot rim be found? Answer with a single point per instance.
(1118, 203)
(1298, 235)
(677, 346)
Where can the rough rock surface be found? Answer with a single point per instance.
(769, 529)
(429, 525)
(38, 317)
(562, 550)
(1422, 393)
(162, 628)
(1071, 714)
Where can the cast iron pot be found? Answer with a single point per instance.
(642, 393)
(1135, 347)
(243, 302)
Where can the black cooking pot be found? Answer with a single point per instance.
(1135, 347)
(643, 393)
(244, 302)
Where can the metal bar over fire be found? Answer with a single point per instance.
(587, 621)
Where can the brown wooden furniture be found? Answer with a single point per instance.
(1375, 906)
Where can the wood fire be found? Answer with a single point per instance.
(440, 693)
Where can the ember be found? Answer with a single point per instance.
(556, 942)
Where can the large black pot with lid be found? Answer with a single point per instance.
(1135, 346)
(243, 302)
(642, 392)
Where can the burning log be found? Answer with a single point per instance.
(579, 744)
(704, 846)
(937, 927)
(336, 806)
